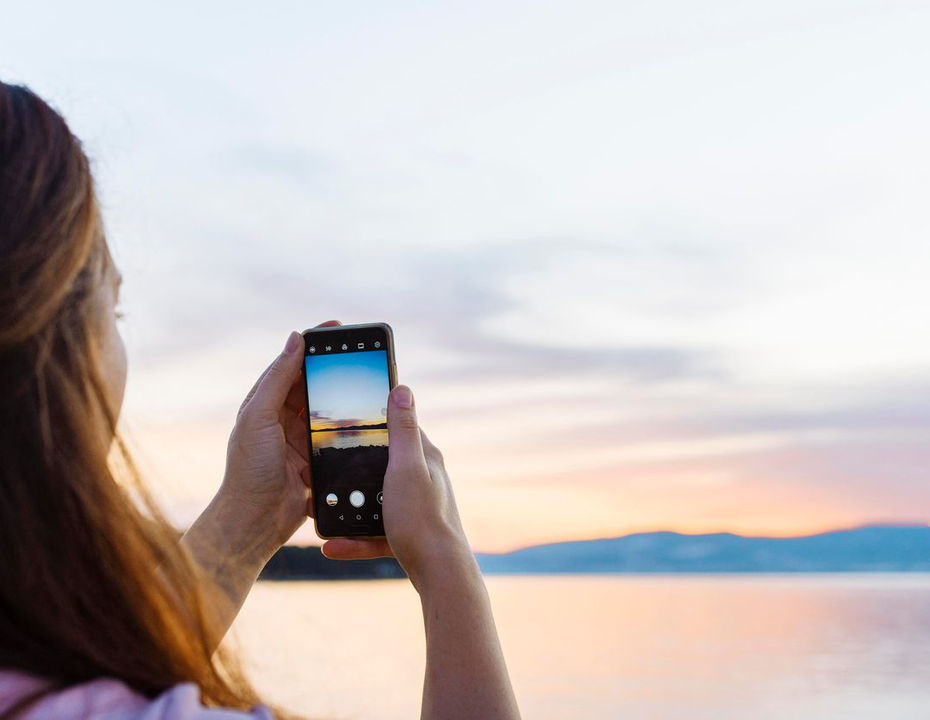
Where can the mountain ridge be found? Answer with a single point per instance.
(869, 548)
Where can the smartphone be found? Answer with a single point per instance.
(348, 372)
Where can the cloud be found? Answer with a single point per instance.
(292, 166)
(721, 282)
(440, 300)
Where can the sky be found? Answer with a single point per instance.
(347, 389)
(649, 265)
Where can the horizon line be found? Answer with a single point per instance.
(370, 425)
(844, 528)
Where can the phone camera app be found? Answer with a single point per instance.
(346, 393)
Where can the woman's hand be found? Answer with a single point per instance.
(421, 522)
(265, 493)
(466, 676)
(266, 488)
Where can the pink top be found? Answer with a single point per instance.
(111, 699)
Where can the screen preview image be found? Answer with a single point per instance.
(347, 400)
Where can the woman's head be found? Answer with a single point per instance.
(80, 596)
(58, 282)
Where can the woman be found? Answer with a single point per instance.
(104, 610)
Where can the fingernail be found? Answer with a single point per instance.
(291, 344)
(403, 397)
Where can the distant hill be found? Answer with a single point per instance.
(376, 426)
(866, 549)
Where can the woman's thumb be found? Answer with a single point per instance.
(276, 384)
(404, 445)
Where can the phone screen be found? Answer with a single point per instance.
(349, 374)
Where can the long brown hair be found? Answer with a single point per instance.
(93, 580)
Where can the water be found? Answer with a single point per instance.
(829, 646)
(348, 438)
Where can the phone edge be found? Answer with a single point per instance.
(392, 383)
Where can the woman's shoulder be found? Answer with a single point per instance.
(111, 699)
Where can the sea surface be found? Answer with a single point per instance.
(690, 647)
(348, 438)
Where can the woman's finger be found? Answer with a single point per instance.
(296, 399)
(297, 389)
(305, 476)
(254, 388)
(296, 460)
(356, 548)
(268, 398)
(295, 432)
(310, 512)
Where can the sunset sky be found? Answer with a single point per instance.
(347, 389)
(649, 265)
